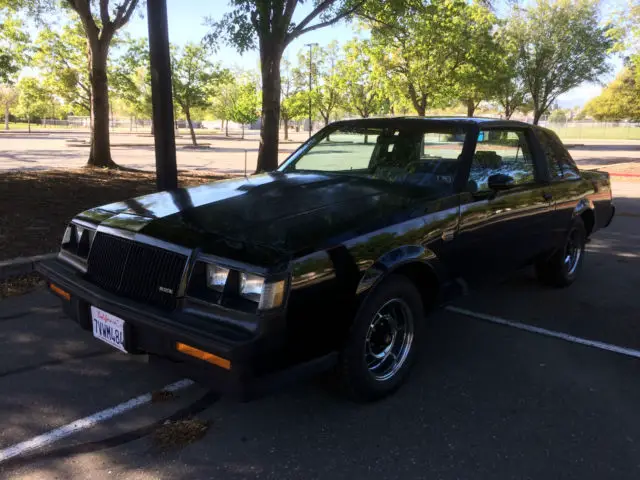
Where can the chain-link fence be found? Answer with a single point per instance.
(585, 130)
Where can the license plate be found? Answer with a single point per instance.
(108, 328)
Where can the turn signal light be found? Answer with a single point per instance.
(60, 292)
(202, 355)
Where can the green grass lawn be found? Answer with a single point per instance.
(597, 133)
(34, 126)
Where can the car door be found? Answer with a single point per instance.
(502, 229)
(566, 185)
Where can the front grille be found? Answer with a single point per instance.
(136, 270)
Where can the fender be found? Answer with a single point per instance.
(393, 260)
(582, 206)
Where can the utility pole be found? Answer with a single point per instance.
(161, 96)
(310, 45)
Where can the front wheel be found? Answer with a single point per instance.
(563, 267)
(381, 346)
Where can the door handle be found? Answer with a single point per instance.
(547, 196)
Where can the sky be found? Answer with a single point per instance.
(186, 24)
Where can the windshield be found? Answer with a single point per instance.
(427, 157)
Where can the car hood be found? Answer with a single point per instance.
(262, 219)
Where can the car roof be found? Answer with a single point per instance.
(391, 121)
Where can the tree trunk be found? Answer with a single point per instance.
(536, 116)
(471, 107)
(243, 131)
(100, 154)
(221, 124)
(270, 57)
(508, 112)
(6, 116)
(286, 128)
(29, 122)
(326, 120)
(226, 129)
(187, 112)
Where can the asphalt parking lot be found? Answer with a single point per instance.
(484, 401)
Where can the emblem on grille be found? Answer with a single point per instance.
(165, 290)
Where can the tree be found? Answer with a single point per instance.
(222, 102)
(34, 100)
(362, 85)
(194, 78)
(325, 94)
(246, 104)
(8, 98)
(130, 78)
(63, 60)
(289, 89)
(620, 100)
(100, 30)
(268, 24)
(510, 89)
(14, 47)
(560, 46)
(425, 48)
(479, 78)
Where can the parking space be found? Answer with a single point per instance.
(484, 401)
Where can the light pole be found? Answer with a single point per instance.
(310, 45)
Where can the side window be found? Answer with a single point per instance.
(343, 150)
(561, 165)
(501, 152)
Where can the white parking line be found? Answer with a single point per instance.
(630, 352)
(86, 422)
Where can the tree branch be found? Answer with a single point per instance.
(296, 32)
(124, 14)
(104, 12)
(83, 9)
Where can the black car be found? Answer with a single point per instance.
(331, 261)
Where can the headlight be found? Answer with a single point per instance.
(251, 286)
(236, 289)
(77, 240)
(217, 277)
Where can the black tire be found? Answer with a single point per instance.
(396, 293)
(562, 268)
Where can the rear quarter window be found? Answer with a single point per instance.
(561, 165)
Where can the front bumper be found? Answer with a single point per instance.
(258, 363)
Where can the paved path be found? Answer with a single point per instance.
(485, 401)
(48, 149)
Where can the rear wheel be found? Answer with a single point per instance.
(563, 267)
(381, 346)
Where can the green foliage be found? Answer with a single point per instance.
(362, 86)
(130, 77)
(620, 100)
(481, 75)
(560, 45)
(245, 108)
(63, 61)
(34, 99)
(425, 49)
(14, 47)
(326, 94)
(195, 77)
(558, 116)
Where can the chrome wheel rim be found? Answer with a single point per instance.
(572, 253)
(389, 339)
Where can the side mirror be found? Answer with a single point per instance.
(500, 181)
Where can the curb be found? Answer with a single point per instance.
(623, 174)
(22, 265)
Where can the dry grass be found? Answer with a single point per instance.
(179, 433)
(20, 285)
(36, 205)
